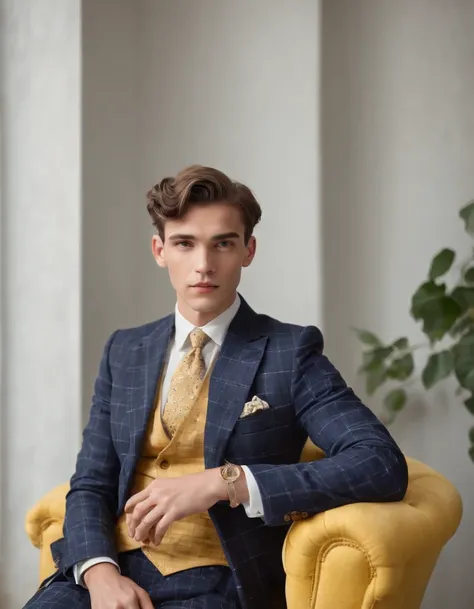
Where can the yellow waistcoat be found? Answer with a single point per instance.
(192, 541)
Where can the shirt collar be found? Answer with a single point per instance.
(216, 329)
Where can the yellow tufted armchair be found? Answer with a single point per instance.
(359, 556)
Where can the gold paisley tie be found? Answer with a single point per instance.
(185, 383)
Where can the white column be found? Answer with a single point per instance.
(116, 253)
(41, 193)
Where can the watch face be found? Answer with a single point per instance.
(232, 472)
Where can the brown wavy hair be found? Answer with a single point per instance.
(196, 185)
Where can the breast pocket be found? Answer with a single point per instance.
(256, 423)
(259, 438)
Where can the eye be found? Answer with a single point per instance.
(183, 244)
(225, 244)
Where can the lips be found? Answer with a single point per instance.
(204, 288)
(204, 285)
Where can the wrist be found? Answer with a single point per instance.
(98, 572)
(240, 487)
(219, 487)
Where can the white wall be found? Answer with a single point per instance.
(41, 325)
(398, 141)
(235, 85)
(241, 93)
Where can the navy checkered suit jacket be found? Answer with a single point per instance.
(282, 364)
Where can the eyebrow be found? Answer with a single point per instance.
(221, 237)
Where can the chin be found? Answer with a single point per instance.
(206, 303)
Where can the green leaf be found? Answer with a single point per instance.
(368, 338)
(439, 317)
(427, 293)
(470, 404)
(471, 452)
(471, 435)
(437, 310)
(463, 353)
(401, 368)
(375, 378)
(395, 400)
(401, 344)
(464, 296)
(461, 325)
(373, 359)
(467, 340)
(467, 214)
(441, 263)
(469, 275)
(468, 380)
(439, 366)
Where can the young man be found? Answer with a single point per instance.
(189, 476)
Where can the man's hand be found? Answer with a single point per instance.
(150, 512)
(110, 590)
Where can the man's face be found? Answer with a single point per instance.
(204, 252)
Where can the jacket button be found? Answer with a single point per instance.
(287, 518)
(295, 516)
(304, 514)
(164, 464)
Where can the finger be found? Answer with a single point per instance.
(134, 499)
(138, 514)
(161, 528)
(142, 595)
(143, 598)
(149, 520)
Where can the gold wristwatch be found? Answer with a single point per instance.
(230, 473)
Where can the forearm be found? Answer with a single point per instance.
(89, 528)
(358, 474)
(91, 504)
(221, 490)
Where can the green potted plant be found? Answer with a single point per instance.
(447, 318)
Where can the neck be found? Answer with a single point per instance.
(201, 318)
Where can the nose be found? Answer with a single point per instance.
(204, 262)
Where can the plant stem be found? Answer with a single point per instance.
(413, 348)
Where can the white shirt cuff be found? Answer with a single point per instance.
(254, 506)
(81, 567)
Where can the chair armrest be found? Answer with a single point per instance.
(49, 511)
(367, 547)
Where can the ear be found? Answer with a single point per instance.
(157, 247)
(251, 249)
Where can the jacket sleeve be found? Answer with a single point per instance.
(363, 463)
(91, 502)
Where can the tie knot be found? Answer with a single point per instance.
(198, 338)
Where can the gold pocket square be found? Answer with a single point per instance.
(254, 406)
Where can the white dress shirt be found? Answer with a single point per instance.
(179, 346)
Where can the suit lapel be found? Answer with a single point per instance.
(147, 365)
(231, 381)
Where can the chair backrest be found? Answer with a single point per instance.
(311, 452)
